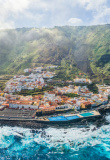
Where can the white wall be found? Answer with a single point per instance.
(20, 106)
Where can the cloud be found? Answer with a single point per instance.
(92, 4)
(11, 8)
(102, 16)
(100, 10)
(75, 21)
(50, 13)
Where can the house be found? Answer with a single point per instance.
(93, 104)
(82, 80)
(85, 105)
(77, 107)
(22, 105)
(65, 106)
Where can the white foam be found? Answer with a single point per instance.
(108, 118)
(60, 138)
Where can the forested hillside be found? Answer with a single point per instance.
(85, 48)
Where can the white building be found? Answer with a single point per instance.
(22, 106)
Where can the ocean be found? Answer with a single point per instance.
(66, 143)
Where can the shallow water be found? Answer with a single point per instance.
(67, 143)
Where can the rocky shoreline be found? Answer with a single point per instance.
(35, 125)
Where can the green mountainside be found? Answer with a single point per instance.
(79, 49)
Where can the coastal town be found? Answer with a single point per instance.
(71, 96)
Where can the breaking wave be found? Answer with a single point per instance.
(56, 143)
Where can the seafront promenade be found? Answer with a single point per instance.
(30, 122)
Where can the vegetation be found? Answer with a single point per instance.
(66, 72)
(75, 49)
(3, 80)
(93, 88)
(72, 95)
(36, 91)
(58, 84)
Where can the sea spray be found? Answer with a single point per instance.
(56, 143)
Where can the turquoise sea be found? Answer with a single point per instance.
(68, 143)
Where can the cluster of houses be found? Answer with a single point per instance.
(38, 69)
(56, 99)
(59, 98)
(30, 82)
(104, 89)
(82, 80)
(86, 97)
